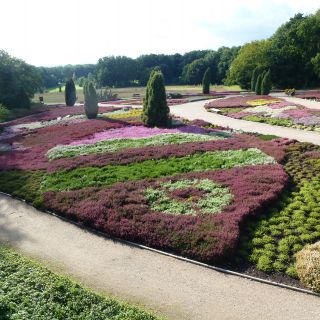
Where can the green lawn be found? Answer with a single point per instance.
(30, 291)
(54, 96)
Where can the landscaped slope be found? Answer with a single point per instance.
(191, 189)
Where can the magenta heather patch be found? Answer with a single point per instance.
(53, 112)
(123, 211)
(137, 132)
(235, 102)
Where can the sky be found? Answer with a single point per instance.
(59, 32)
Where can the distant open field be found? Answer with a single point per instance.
(54, 96)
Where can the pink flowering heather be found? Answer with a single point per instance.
(298, 113)
(282, 104)
(137, 132)
(235, 102)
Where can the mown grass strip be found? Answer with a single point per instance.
(108, 175)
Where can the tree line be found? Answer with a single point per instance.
(122, 71)
(292, 54)
(290, 58)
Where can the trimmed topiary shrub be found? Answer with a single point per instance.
(70, 93)
(258, 84)
(90, 100)
(266, 84)
(206, 81)
(155, 107)
(254, 78)
(308, 266)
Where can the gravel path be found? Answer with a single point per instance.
(171, 287)
(196, 110)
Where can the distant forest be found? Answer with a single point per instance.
(292, 54)
(121, 71)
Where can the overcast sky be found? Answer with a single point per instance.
(58, 32)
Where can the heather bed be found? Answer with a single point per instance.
(191, 189)
(266, 109)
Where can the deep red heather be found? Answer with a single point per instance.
(122, 211)
(312, 95)
(235, 102)
(53, 112)
(39, 141)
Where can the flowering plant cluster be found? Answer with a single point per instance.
(187, 189)
(311, 95)
(236, 102)
(275, 112)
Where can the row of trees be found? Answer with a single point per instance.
(292, 55)
(155, 108)
(261, 81)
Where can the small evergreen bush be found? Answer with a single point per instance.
(254, 78)
(70, 93)
(155, 108)
(266, 84)
(206, 82)
(258, 84)
(90, 100)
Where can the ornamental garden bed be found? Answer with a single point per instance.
(266, 109)
(311, 95)
(193, 189)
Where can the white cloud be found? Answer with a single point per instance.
(47, 32)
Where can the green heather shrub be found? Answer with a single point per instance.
(90, 100)
(93, 176)
(308, 266)
(155, 108)
(206, 81)
(70, 93)
(266, 84)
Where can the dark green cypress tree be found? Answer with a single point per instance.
(266, 83)
(206, 81)
(70, 93)
(258, 84)
(155, 109)
(90, 100)
(254, 78)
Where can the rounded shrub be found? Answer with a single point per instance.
(70, 93)
(90, 100)
(308, 266)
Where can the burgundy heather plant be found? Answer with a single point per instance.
(123, 211)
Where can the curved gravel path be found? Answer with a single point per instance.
(196, 110)
(171, 287)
